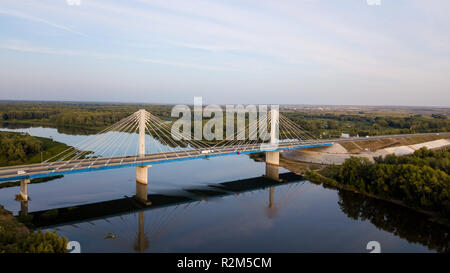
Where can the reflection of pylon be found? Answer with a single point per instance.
(271, 209)
(141, 240)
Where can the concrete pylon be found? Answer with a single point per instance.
(274, 126)
(24, 188)
(142, 171)
(142, 116)
(273, 157)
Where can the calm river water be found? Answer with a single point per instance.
(291, 217)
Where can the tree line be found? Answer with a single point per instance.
(18, 148)
(333, 124)
(96, 116)
(419, 180)
(82, 115)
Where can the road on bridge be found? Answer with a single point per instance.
(101, 163)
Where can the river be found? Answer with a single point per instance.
(299, 216)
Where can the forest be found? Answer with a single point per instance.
(419, 180)
(17, 148)
(95, 116)
(72, 117)
(331, 125)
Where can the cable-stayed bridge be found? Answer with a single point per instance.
(142, 139)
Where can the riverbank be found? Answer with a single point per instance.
(408, 181)
(21, 148)
(326, 175)
(15, 237)
(338, 153)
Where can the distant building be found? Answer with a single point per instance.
(344, 135)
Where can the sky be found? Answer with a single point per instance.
(350, 52)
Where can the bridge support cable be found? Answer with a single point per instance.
(155, 141)
(165, 129)
(299, 128)
(239, 137)
(155, 127)
(158, 140)
(104, 143)
(172, 146)
(92, 141)
(85, 142)
(184, 139)
(120, 136)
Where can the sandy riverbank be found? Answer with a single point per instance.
(336, 154)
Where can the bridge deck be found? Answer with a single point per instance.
(95, 164)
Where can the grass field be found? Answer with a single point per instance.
(373, 145)
(43, 148)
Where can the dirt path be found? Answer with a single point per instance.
(337, 154)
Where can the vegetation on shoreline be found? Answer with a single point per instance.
(376, 144)
(16, 238)
(420, 180)
(91, 117)
(73, 117)
(18, 148)
(331, 125)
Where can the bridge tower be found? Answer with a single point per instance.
(24, 196)
(24, 189)
(273, 157)
(142, 171)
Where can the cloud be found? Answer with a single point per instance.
(22, 15)
(23, 47)
(300, 45)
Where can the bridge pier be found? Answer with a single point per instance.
(142, 185)
(273, 158)
(142, 174)
(142, 171)
(24, 189)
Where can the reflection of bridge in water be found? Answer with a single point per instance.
(139, 225)
(142, 140)
(151, 225)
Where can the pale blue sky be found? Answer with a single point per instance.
(234, 51)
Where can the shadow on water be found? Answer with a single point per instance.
(397, 220)
(74, 214)
(405, 223)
